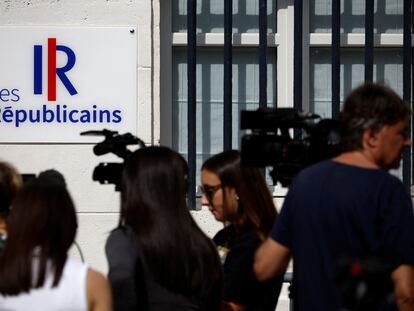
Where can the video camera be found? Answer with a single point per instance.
(287, 141)
(111, 173)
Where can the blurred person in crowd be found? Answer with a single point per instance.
(158, 257)
(349, 207)
(10, 182)
(239, 197)
(35, 270)
(53, 176)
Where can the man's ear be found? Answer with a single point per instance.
(369, 138)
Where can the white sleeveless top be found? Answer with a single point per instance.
(69, 295)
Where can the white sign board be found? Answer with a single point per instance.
(56, 82)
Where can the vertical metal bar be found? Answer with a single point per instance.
(336, 61)
(369, 40)
(166, 78)
(407, 66)
(191, 110)
(262, 53)
(228, 75)
(297, 55)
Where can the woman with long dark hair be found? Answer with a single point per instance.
(238, 196)
(35, 270)
(158, 257)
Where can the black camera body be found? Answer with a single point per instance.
(111, 172)
(287, 140)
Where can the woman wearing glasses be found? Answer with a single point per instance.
(158, 257)
(238, 196)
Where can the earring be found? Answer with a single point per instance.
(237, 197)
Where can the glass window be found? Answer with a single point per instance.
(388, 68)
(388, 16)
(316, 79)
(210, 16)
(210, 96)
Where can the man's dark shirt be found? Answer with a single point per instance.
(335, 211)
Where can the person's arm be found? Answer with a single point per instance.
(98, 292)
(123, 272)
(403, 279)
(271, 259)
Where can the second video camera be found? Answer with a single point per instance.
(287, 140)
(111, 172)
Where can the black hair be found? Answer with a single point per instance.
(42, 223)
(53, 176)
(10, 182)
(153, 203)
(370, 106)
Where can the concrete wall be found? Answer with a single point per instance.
(97, 205)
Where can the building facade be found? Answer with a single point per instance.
(162, 80)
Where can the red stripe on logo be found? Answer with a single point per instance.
(51, 69)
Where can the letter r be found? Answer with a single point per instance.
(52, 71)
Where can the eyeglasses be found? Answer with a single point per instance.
(209, 191)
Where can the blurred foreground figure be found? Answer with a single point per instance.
(238, 196)
(349, 208)
(35, 271)
(10, 182)
(158, 257)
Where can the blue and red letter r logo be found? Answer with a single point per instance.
(52, 71)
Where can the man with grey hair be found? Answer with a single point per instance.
(348, 207)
